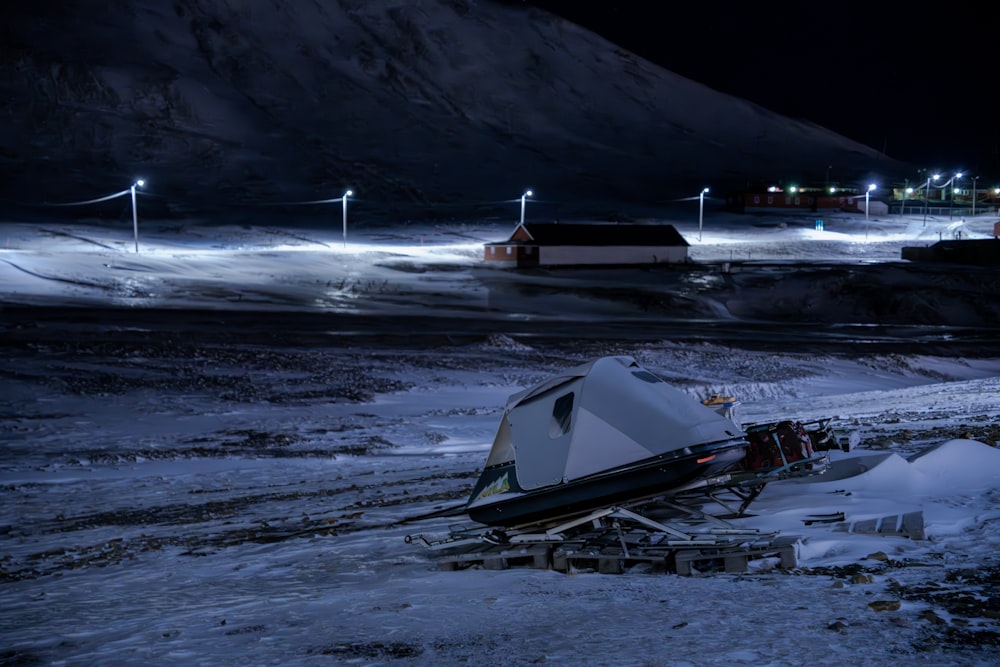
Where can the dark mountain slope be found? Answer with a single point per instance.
(427, 107)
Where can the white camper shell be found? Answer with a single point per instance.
(609, 417)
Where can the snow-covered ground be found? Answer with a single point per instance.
(221, 484)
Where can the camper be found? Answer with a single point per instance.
(606, 432)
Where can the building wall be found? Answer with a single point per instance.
(783, 201)
(526, 255)
(766, 201)
(569, 255)
(512, 255)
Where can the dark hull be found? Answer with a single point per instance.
(650, 478)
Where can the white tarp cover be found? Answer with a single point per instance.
(601, 415)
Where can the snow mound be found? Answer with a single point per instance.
(959, 464)
(952, 465)
(878, 473)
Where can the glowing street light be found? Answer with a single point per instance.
(951, 205)
(344, 202)
(701, 209)
(135, 214)
(974, 179)
(868, 192)
(526, 194)
(927, 189)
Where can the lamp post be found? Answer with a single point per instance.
(701, 210)
(344, 203)
(974, 179)
(527, 193)
(135, 213)
(906, 190)
(951, 184)
(927, 190)
(868, 192)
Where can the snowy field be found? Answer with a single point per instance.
(209, 446)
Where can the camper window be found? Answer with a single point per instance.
(562, 409)
(646, 376)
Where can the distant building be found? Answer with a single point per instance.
(581, 244)
(982, 252)
(782, 201)
(962, 200)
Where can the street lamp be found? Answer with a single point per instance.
(951, 204)
(701, 210)
(135, 214)
(974, 179)
(344, 202)
(906, 190)
(927, 189)
(526, 194)
(871, 186)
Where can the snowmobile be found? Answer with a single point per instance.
(587, 461)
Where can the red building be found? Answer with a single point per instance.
(580, 244)
(781, 201)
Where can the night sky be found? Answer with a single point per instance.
(918, 84)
